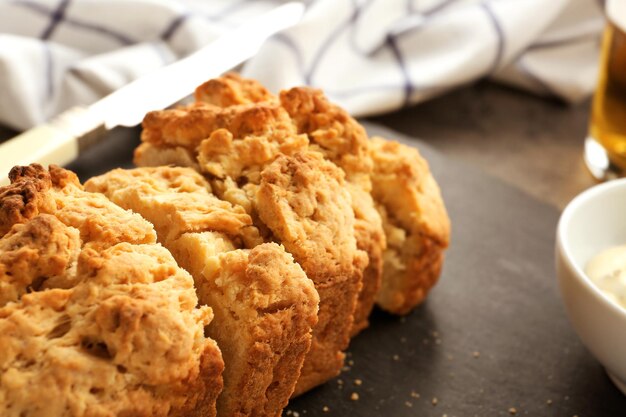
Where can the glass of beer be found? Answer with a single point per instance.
(605, 146)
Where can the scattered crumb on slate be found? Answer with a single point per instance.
(435, 401)
(325, 409)
(476, 354)
(414, 394)
(358, 382)
(351, 362)
(549, 402)
(408, 404)
(396, 357)
(340, 381)
(354, 396)
(512, 411)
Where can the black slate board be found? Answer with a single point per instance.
(492, 335)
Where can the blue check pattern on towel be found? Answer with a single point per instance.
(371, 56)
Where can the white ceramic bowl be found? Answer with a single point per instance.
(593, 221)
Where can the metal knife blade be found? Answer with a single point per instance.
(61, 140)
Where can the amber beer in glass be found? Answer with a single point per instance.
(605, 146)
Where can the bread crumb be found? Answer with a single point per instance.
(325, 409)
(476, 354)
(340, 382)
(549, 402)
(512, 411)
(354, 396)
(358, 382)
(288, 412)
(414, 394)
(296, 414)
(435, 401)
(351, 362)
(396, 357)
(408, 404)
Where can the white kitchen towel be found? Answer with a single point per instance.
(370, 56)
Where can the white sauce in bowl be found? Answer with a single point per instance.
(608, 271)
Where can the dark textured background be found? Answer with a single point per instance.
(497, 300)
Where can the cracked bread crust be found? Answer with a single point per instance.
(230, 90)
(100, 323)
(416, 224)
(303, 200)
(264, 304)
(188, 126)
(331, 131)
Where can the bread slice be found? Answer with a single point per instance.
(343, 141)
(304, 202)
(95, 318)
(263, 301)
(416, 224)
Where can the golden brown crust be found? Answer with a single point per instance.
(331, 130)
(37, 255)
(188, 126)
(415, 221)
(220, 155)
(230, 90)
(25, 196)
(92, 323)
